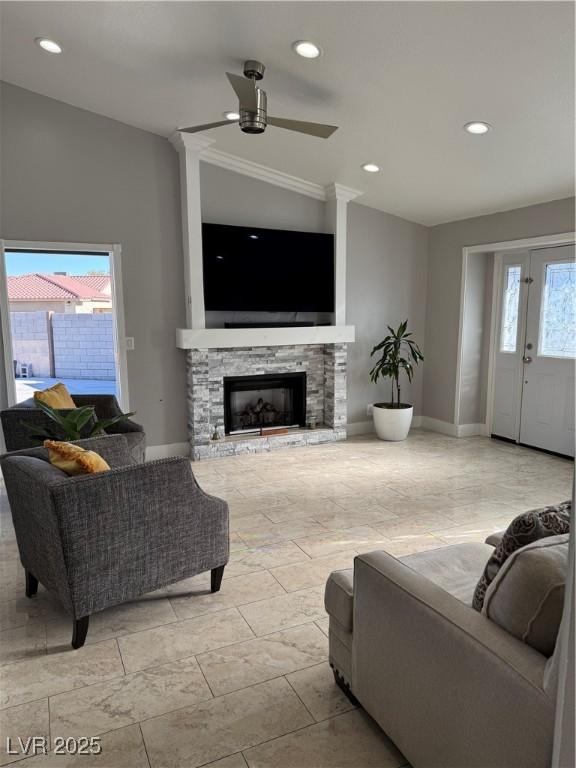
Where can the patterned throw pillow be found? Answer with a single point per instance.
(524, 529)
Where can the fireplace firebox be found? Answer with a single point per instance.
(256, 403)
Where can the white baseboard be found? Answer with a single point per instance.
(165, 451)
(360, 428)
(452, 430)
(367, 427)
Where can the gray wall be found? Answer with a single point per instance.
(73, 176)
(444, 277)
(387, 261)
(231, 198)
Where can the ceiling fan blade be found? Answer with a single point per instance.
(245, 90)
(312, 129)
(206, 126)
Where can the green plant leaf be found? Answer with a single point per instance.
(101, 426)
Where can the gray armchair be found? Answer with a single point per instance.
(99, 540)
(17, 437)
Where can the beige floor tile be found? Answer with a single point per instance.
(323, 624)
(286, 611)
(250, 560)
(301, 507)
(57, 672)
(182, 639)
(316, 688)
(138, 696)
(114, 622)
(223, 726)
(408, 545)
(369, 499)
(264, 658)
(22, 722)
(360, 538)
(413, 524)
(233, 761)
(249, 522)
(23, 610)
(123, 748)
(312, 573)
(235, 591)
(351, 740)
(276, 532)
(25, 642)
(347, 518)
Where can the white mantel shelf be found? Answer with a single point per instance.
(228, 338)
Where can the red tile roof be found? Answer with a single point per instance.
(42, 287)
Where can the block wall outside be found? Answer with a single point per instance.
(31, 342)
(83, 346)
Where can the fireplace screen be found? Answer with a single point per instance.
(257, 403)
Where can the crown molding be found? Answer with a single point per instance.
(340, 192)
(263, 173)
(202, 145)
(193, 141)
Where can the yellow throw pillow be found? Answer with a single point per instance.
(56, 397)
(74, 460)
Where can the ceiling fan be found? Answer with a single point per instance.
(252, 108)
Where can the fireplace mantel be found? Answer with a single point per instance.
(230, 338)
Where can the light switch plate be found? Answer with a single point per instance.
(369, 409)
(129, 343)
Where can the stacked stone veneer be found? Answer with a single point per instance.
(325, 368)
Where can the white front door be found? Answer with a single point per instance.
(550, 350)
(536, 350)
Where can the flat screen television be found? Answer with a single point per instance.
(267, 270)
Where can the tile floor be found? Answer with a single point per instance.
(185, 678)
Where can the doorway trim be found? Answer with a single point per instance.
(114, 252)
(543, 241)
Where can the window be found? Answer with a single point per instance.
(510, 303)
(558, 313)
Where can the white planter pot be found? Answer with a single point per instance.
(392, 423)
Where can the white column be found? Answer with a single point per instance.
(337, 199)
(190, 147)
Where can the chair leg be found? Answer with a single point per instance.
(344, 687)
(216, 575)
(80, 631)
(31, 584)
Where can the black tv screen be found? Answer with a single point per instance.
(267, 270)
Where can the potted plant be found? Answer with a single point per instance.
(398, 353)
(71, 424)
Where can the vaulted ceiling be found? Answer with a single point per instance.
(400, 79)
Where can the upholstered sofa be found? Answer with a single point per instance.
(448, 684)
(17, 437)
(102, 539)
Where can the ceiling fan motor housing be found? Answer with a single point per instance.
(255, 122)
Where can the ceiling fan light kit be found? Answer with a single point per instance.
(252, 115)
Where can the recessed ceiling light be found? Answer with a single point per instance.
(231, 115)
(307, 49)
(51, 46)
(253, 237)
(477, 127)
(371, 167)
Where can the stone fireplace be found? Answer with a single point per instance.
(303, 384)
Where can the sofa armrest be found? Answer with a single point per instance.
(137, 528)
(449, 686)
